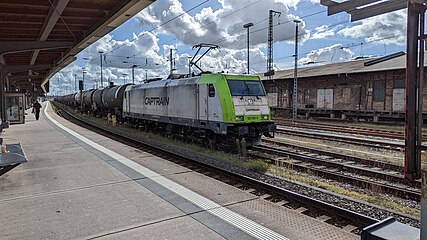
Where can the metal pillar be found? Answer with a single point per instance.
(423, 204)
(2, 95)
(75, 82)
(272, 13)
(133, 73)
(100, 59)
(420, 171)
(83, 78)
(420, 94)
(412, 167)
(189, 66)
(170, 60)
(295, 91)
(248, 25)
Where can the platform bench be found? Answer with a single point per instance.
(12, 158)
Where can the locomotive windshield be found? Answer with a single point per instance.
(245, 88)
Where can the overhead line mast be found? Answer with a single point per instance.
(270, 70)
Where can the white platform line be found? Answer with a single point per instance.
(246, 225)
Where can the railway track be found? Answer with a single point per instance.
(344, 129)
(376, 164)
(347, 219)
(367, 142)
(347, 171)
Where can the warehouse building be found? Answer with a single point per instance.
(363, 89)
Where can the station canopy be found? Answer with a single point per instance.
(40, 37)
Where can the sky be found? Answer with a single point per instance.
(145, 40)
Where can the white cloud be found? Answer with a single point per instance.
(322, 32)
(334, 53)
(223, 26)
(390, 28)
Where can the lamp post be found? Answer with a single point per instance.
(295, 93)
(247, 26)
(100, 60)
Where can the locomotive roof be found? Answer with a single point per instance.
(187, 81)
(167, 82)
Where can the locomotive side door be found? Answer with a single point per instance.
(203, 102)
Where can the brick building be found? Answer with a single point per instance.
(364, 88)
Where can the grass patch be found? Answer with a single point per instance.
(257, 165)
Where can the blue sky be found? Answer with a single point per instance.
(145, 39)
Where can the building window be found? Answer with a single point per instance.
(399, 84)
(379, 89)
(272, 89)
(306, 96)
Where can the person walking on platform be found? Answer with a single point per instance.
(36, 109)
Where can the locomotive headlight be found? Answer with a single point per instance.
(239, 118)
(265, 117)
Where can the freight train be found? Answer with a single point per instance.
(210, 108)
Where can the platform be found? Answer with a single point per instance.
(80, 185)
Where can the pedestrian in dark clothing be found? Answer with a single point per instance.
(36, 109)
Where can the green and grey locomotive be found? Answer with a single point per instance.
(216, 108)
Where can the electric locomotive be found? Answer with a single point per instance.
(214, 108)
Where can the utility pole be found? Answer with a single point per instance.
(146, 76)
(272, 13)
(124, 78)
(75, 82)
(171, 61)
(295, 95)
(133, 73)
(100, 60)
(248, 25)
(189, 66)
(83, 73)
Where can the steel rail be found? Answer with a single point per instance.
(370, 162)
(345, 129)
(344, 139)
(336, 172)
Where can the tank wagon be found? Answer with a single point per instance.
(211, 107)
(66, 99)
(108, 100)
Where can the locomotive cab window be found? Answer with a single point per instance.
(211, 90)
(246, 88)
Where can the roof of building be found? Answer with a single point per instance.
(391, 62)
(39, 38)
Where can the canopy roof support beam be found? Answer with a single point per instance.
(53, 16)
(6, 47)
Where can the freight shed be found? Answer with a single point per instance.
(370, 89)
